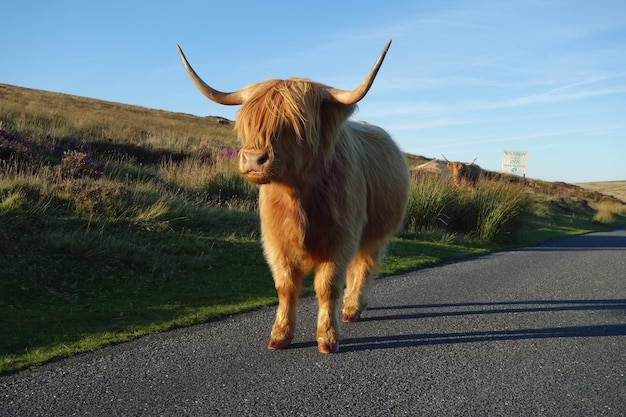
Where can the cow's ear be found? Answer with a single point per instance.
(333, 116)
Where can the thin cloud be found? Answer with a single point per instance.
(591, 80)
(524, 138)
(552, 97)
(425, 108)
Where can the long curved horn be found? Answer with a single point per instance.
(229, 99)
(444, 158)
(353, 96)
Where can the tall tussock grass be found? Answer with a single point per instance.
(608, 211)
(499, 205)
(430, 199)
(489, 213)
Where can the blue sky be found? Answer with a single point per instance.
(467, 79)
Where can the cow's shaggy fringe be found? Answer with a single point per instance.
(292, 108)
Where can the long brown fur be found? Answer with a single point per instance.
(332, 192)
(465, 175)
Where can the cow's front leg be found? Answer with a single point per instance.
(288, 287)
(329, 280)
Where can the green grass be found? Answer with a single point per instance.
(70, 285)
(118, 221)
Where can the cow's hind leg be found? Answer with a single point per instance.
(360, 275)
(288, 288)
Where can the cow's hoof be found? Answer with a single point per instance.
(350, 318)
(326, 348)
(278, 344)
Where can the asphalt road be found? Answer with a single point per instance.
(535, 331)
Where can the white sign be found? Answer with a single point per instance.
(515, 162)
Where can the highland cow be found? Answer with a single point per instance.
(464, 174)
(332, 193)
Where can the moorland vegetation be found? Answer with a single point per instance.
(118, 221)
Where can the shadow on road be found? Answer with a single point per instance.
(493, 308)
(409, 312)
(398, 341)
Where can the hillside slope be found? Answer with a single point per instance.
(62, 117)
(616, 189)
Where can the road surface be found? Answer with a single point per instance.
(534, 331)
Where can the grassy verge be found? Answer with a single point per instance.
(70, 287)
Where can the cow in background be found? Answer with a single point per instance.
(464, 174)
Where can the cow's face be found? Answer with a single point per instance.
(277, 158)
(457, 169)
(279, 127)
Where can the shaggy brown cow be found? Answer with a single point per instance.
(465, 174)
(332, 192)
